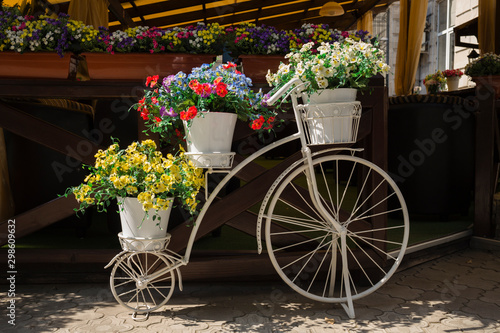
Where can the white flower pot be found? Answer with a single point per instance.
(452, 83)
(135, 225)
(211, 132)
(339, 95)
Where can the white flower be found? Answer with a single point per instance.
(322, 82)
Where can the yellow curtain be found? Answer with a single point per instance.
(6, 203)
(91, 12)
(486, 25)
(411, 29)
(366, 22)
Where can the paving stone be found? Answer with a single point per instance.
(215, 314)
(108, 324)
(400, 291)
(418, 283)
(491, 297)
(181, 324)
(476, 281)
(394, 322)
(482, 309)
(466, 322)
(380, 301)
(488, 274)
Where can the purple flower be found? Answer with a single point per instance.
(170, 112)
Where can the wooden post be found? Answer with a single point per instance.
(486, 122)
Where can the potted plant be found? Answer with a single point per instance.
(452, 77)
(205, 102)
(32, 46)
(348, 64)
(434, 83)
(332, 74)
(485, 70)
(144, 182)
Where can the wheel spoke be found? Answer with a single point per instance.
(297, 244)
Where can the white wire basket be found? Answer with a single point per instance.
(331, 123)
(144, 244)
(212, 160)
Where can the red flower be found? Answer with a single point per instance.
(158, 119)
(193, 84)
(189, 114)
(257, 123)
(145, 114)
(152, 80)
(229, 65)
(221, 89)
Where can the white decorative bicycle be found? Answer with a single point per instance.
(336, 225)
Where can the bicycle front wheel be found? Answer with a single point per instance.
(304, 243)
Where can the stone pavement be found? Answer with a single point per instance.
(456, 293)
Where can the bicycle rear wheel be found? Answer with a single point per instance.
(304, 244)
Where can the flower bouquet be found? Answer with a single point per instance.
(434, 83)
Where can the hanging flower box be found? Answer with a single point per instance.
(257, 66)
(138, 66)
(46, 65)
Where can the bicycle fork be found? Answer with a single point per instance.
(339, 229)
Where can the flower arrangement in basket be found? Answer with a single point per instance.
(435, 82)
(347, 64)
(139, 171)
(183, 97)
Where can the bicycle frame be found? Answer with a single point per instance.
(307, 158)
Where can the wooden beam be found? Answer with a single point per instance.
(39, 217)
(51, 136)
(117, 10)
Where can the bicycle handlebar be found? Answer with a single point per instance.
(274, 98)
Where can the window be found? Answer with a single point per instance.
(446, 37)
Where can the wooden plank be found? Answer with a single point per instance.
(39, 217)
(34, 129)
(47, 88)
